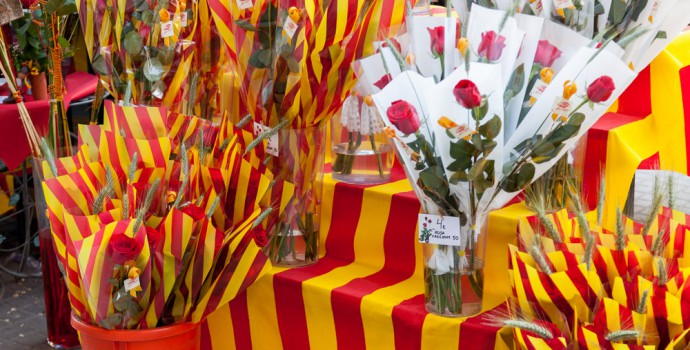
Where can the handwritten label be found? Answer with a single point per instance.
(437, 229)
(536, 6)
(290, 27)
(131, 283)
(183, 19)
(562, 106)
(538, 89)
(272, 146)
(244, 4)
(167, 29)
(563, 4)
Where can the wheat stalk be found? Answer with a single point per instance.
(533, 327)
(141, 213)
(130, 179)
(266, 135)
(656, 206)
(671, 191)
(538, 255)
(108, 190)
(213, 207)
(658, 246)
(622, 335)
(259, 219)
(620, 230)
(662, 271)
(242, 122)
(224, 145)
(642, 306)
(200, 145)
(184, 168)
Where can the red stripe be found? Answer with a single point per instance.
(144, 120)
(661, 318)
(206, 337)
(240, 322)
(684, 75)
(408, 320)
(475, 333)
(399, 265)
(287, 285)
(637, 99)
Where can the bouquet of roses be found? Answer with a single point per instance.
(143, 51)
(451, 106)
(158, 219)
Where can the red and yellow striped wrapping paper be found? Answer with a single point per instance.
(651, 122)
(367, 289)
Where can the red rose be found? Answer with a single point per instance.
(123, 248)
(601, 89)
(260, 237)
(383, 81)
(492, 45)
(437, 37)
(546, 54)
(404, 116)
(467, 94)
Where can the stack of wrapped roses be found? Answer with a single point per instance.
(159, 217)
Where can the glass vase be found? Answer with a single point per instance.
(360, 151)
(422, 8)
(294, 238)
(61, 334)
(453, 278)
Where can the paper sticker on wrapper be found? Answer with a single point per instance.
(272, 146)
(290, 27)
(131, 283)
(563, 4)
(183, 19)
(244, 4)
(562, 106)
(538, 89)
(167, 29)
(536, 6)
(437, 229)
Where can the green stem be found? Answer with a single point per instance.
(378, 156)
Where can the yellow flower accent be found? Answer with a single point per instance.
(171, 196)
(164, 15)
(546, 74)
(564, 118)
(446, 123)
(569, 89)
(469, 137)
(293, 12)
(183, 6)
(461, 253)
(129, 264)
(415, 157)
(409, 59)
(390, 133)
(463, 43)
(34, 70)
(134, 272)
(369, 101)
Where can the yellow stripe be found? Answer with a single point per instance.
(221, 329)
(317, 298)
(261, 306)
(438, 333)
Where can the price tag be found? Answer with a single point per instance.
(167, 29)
(562, 106)
(536, 6)
(563, 4)
(538, 89)
(244, 4)
(272, 145)
(183, 19)
(131, 283)
(461, 131)
(290, 27)
(439, 229)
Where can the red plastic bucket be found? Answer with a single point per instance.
(184, 336)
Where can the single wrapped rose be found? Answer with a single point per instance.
(260, 236)
(492, 45)
(436, 37)
(381, 83)
(467, 94)
(601, 89)
(123, 248)
(404, 116)
(546, 54)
